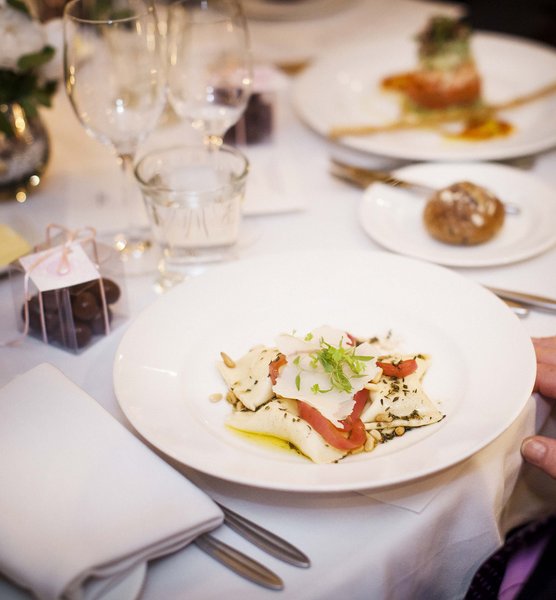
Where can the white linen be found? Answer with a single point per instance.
(417, 495)
(83, 501)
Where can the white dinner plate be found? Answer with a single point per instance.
(165, 367)
(392, 217)
(291, 10)
(342, 88)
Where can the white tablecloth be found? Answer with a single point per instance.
(423, 541)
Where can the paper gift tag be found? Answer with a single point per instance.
(59, 267)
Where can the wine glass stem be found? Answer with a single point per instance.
(213, 141)
(130, 202)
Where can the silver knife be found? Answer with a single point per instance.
(528, 299)
(238, 562)
(264, 539)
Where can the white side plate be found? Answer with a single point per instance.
(393, 217)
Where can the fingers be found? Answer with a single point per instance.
(545, 341)
(545, 350)
(541, 452)
(545, 381)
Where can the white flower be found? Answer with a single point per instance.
(19, 35)
(54, 33)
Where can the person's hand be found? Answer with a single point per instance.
(545, 349)
(539, 450)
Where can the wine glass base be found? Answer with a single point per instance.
(131, 247)
(137, 252)
(169, 277)
(166, 281)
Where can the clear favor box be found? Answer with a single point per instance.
(69, 292)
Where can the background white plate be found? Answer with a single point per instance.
(274, 10)
(165, 367)
(393, 217)
(343, 89)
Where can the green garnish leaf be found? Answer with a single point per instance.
(336, 361)
(316, 389)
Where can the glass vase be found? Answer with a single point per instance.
(24, 152)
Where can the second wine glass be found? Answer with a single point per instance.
(209, 64)
(114, 75)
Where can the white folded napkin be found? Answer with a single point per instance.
(83, 503)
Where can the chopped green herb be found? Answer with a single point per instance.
(316, 389)
(335, 360)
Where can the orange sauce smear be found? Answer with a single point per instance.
(397, 83)
(476, 131)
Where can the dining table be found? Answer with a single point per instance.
(417, 539)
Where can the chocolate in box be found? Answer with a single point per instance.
(69, 292)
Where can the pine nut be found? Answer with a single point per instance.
(370, 443)
(227, 360)
(231, 397)
(215, 397)
(399, 430)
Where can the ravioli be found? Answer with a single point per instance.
(400, 402)
(271, 405)
(279, 418)
(248, 379)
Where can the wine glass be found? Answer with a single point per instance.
(209, 64)
(114, 75)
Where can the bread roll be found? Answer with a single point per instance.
(463, 214)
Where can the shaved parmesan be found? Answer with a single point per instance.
(304, 378)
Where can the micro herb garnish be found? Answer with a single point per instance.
(308, 337)
(334, 360)
(317, 390)
(298, 382)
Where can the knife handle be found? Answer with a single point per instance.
(527, 299)
(264, 539)
(238, 562)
